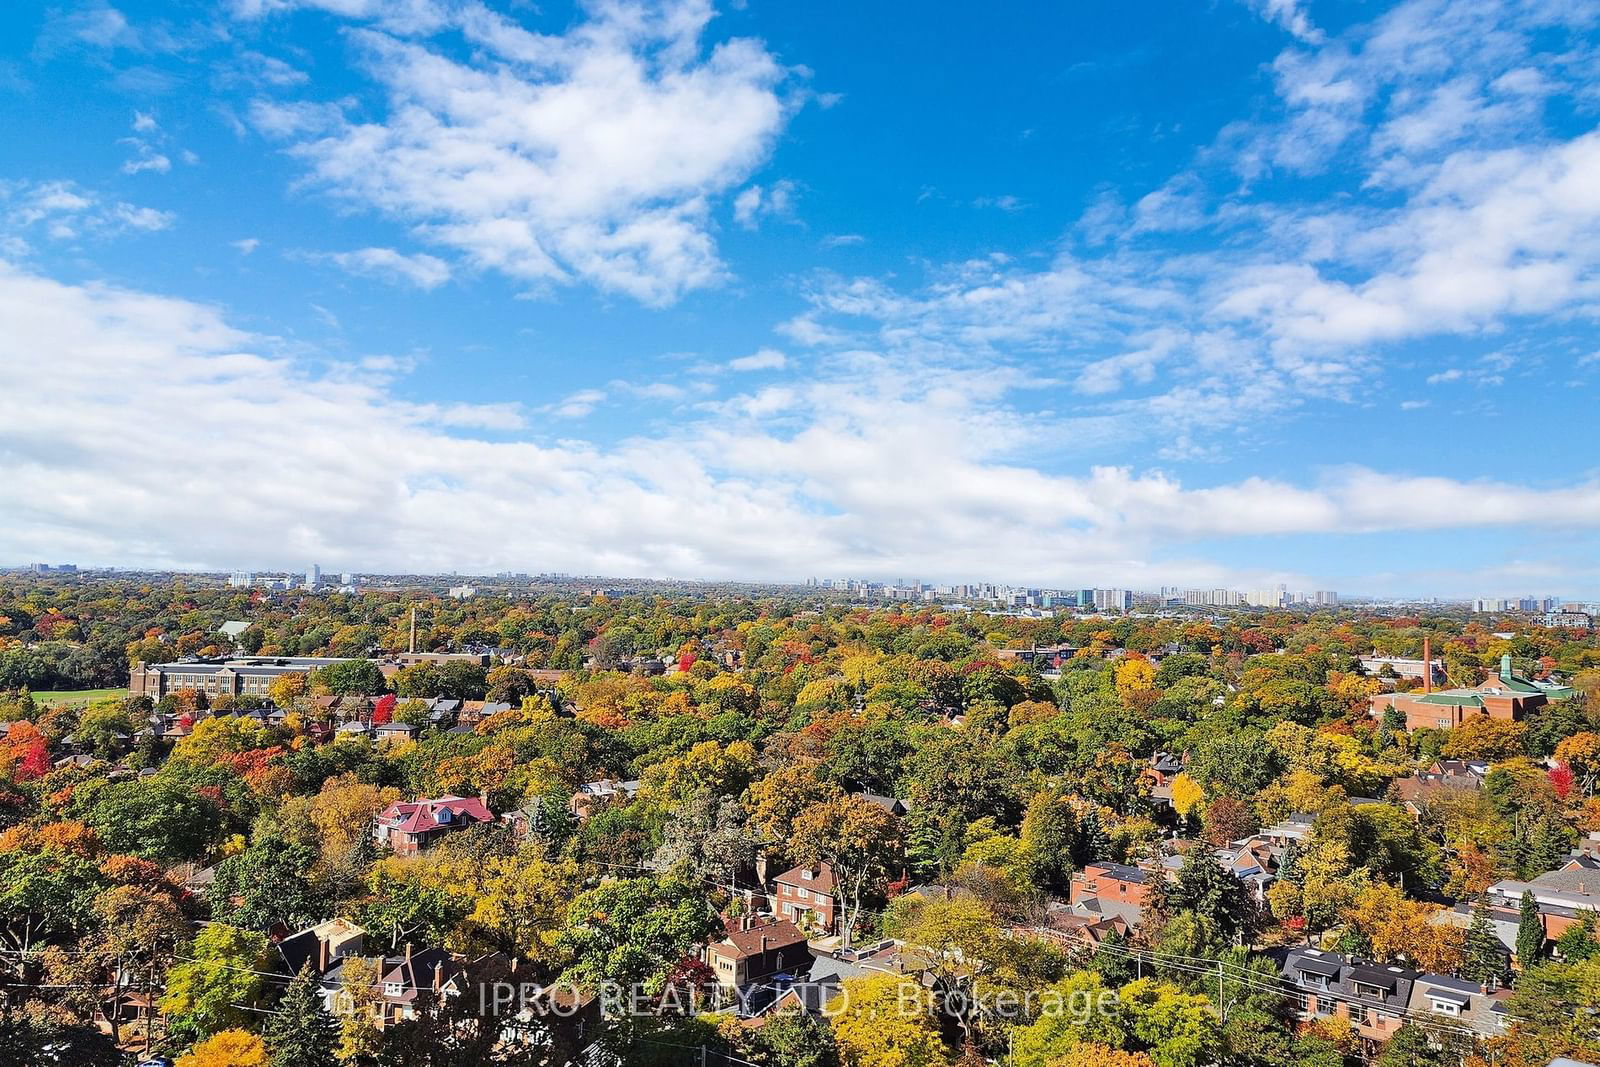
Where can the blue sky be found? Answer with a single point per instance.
(1165, 293)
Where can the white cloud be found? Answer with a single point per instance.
(765, 359)
(592, 155)
(1006, 203)
(64, 211)
(418, 269)
(1291, 15)
(147, 159)
(246, 245)
(799, 479)
(144, 123)
(577, 405)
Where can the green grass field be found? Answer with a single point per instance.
(77, 696)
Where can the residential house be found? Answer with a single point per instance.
(807, 896)
(1372, 997)
(755, 948)
(412, 827)
(594, 797)
(394, 733)
(1110, 890)
(1458, 1001)
(402, 980)
(893, 805)
(1160, 772)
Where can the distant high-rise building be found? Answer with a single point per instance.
(1327, 598)
(1112, 599)
(313, 576)
(241, 579)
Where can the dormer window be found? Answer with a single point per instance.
(393, 989)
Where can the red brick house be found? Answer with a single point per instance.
(807, 889)
(409, 828)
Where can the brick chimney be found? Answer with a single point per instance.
(438, 976)
(322, 955)
(408, 952)
(1427, 666)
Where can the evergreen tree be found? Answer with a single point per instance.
(302, 1033)
(1485, 957)
(1289, 865)
(1204, 888)
(1530, 932)
(1092, 844)
(1111, 962)
(922, 848)
(1550, 846)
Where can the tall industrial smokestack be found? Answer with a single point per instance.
(413, 647)
(1427, 666)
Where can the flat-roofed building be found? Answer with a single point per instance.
(251, 676)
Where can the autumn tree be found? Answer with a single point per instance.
(230, 1048)
(218, 981)
(857, 839)
(886, 1020)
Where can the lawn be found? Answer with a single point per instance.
(77, 696)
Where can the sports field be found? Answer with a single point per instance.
(77, 696)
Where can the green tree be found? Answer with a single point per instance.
(302, 1033)
(795, 1039)
(1577, 942)
(1530, 932)
(631, 930)
(1049, 832)
(268, 883)
(214, 984)
(1485, 958)
(1213, 893)
(353, 677)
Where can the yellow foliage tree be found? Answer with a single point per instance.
(885, 1020)
(1090, 1054)
(1481, 737)
(1134, 674)
(230, 1048)
(1397, 927)
(1186, 794)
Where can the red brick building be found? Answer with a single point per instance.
(807, 889)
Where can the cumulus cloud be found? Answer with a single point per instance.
(871, 474)
(590, 156)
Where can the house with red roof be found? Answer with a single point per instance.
(409, 828)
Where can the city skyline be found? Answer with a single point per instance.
(1207, 295)
(311, 577)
